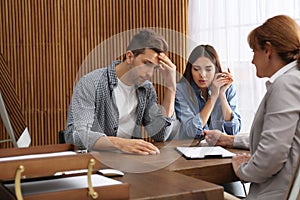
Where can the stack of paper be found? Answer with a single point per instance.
(204, 152)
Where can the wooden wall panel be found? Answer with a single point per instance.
(49, 44)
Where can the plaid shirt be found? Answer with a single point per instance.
(93, 112)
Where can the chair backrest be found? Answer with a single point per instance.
(61, 137)
(11, 112)
(294, 187)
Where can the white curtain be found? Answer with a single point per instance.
(225, 24)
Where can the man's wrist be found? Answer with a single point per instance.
(116, 141)
(171, 90)
(171, 86)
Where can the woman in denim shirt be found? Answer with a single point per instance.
(205, 96)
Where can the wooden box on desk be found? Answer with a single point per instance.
(20, 166)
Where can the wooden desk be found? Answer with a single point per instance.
(163, 184)
(149, 177)
(172, 175)
(153, 176)
(212, 170)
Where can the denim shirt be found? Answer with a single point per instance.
(93, 112)
(188, 111)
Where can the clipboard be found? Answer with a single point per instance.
(191, 153)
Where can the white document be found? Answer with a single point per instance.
(42, 155)
(204, 152)
(61, 184)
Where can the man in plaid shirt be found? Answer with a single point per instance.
(110, 105)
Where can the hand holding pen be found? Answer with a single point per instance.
(202, 137)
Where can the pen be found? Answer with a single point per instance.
(202, 137)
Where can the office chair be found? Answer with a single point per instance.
(61, 137)
(294, 186)
(10, 109)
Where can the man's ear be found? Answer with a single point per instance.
(129, 57)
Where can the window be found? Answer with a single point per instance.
(225, 24)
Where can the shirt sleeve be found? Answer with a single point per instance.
(83, 111)
(191, 122)
(233, 127)
(241, 141)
